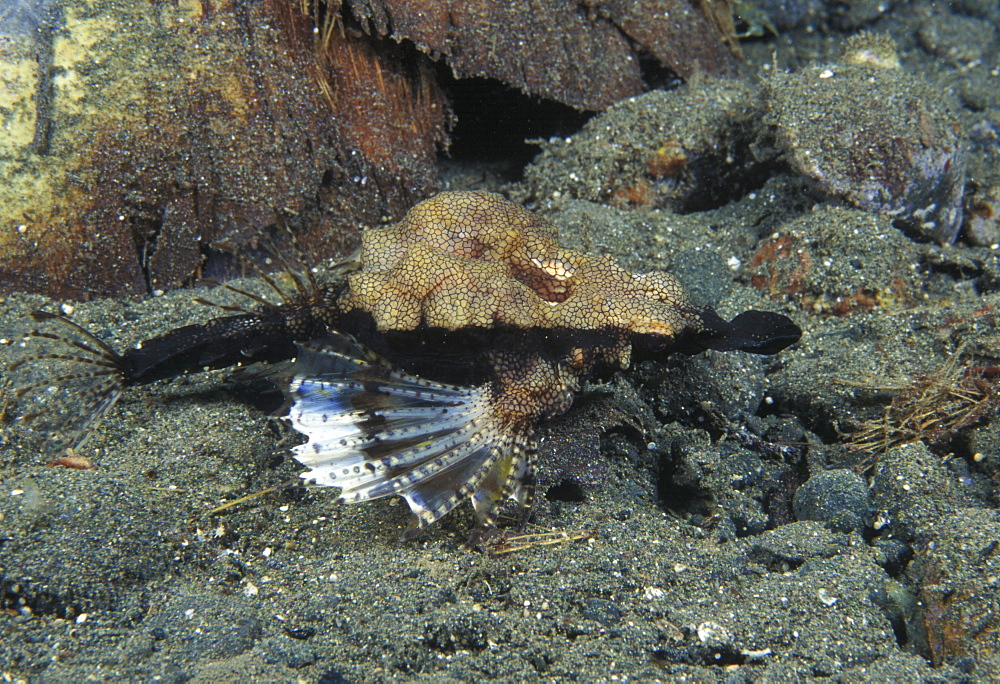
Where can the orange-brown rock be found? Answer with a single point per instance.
(582, 54)
(177, 132)
(153, 138)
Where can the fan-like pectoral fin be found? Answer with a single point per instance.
(374, 432)
(511, 477)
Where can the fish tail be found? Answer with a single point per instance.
(64, 395)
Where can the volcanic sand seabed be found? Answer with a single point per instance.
(118, 571)
(168, 591)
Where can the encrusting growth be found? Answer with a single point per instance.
(931, 407)
(424, 374)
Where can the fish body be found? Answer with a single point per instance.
(424, 374)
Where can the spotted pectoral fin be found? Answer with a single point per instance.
(374, 432)
(512, 476)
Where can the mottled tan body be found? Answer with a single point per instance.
(464, 259)
(474, 259)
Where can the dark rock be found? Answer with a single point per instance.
(838, 260)
(986, 9)
(747, 516)
(468, 632)
(960, 40)
(787, 14)
(899, 155)
(789, 546)
(912, 491)
(959, 592)
(984, 443)
(729, 385)
(726, 479)
(333, 676)
(838, 498)
(892, 554)
(853, 14)
(301, 633)
(686, 149)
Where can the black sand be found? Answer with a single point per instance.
(688, 554)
